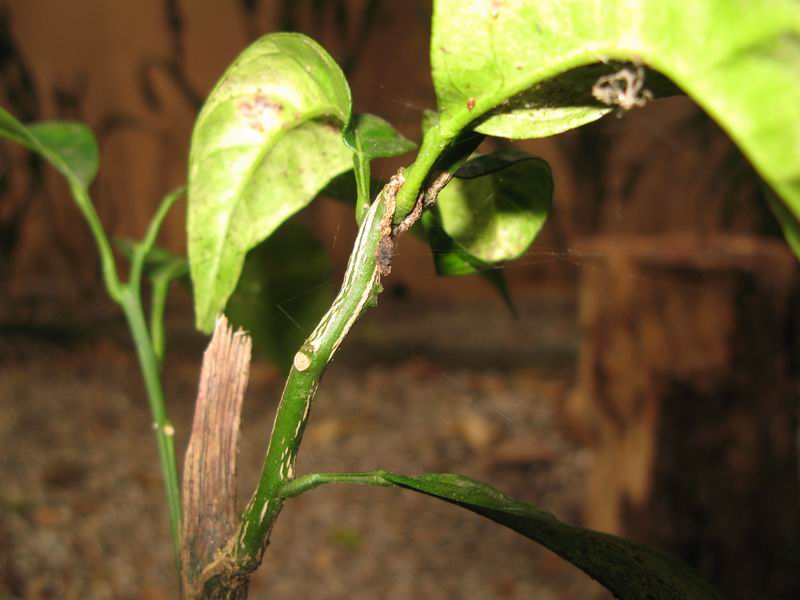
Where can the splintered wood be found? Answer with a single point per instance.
(209, 477)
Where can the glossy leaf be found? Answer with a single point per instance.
(283, 291)
(266, 142)
(496, 217)
(629, 570)
(738, 60)
(69, 147)
(563, 102)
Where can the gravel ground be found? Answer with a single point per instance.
(81, 499)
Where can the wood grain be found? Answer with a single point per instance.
(210, 518)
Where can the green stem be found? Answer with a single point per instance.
(109, 268)
(361, 170)
(149, 349)
(128, 296)
(132, 307)
(305, 483)
(160, 281)
(446, 144)
(359, 290)
(433, 144)
(142, 249)
(158, 302)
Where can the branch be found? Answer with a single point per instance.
(359, 291)
(369, 261)
(141, 250)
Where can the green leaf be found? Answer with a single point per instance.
(343, 188)
(496, 217)
(370, 137)
(266, 142)
(72, 150)
(450, 260)
(69, 147)
(561, 103)
(480, 165)
(738, 60)
(283, 292)
(630, 571)
(373, 137)
(549, 107)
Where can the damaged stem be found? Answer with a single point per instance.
(369, 261)
(359, 291)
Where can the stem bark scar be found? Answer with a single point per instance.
(425, 198)
(301, 361)
(385, 250)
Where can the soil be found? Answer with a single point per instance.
(464, 388)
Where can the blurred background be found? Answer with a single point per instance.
(647, 386)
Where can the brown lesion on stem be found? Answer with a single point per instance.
(385, 250)
(426, 198)
(210, 518)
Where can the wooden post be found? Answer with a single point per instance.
(688, 396)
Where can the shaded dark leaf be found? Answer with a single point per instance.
(282, 293)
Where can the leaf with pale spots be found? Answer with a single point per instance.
(266, 142)
(519, 69)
